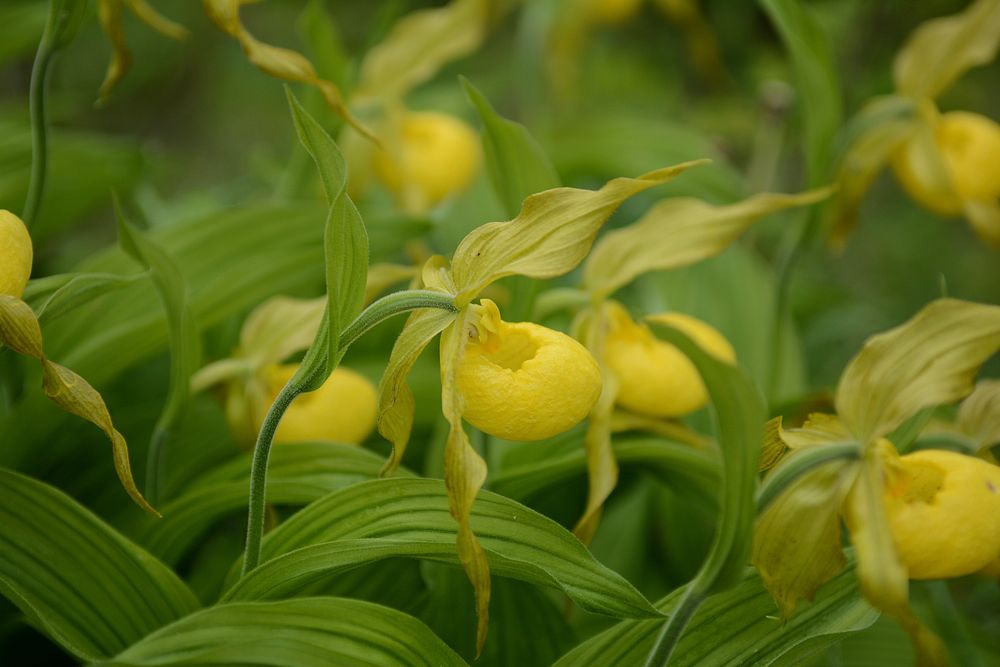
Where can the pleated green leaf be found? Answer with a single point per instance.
(185, 345)
(52, 296)
(815, 77)
(410, 517)
(306, 632)
(82, 584)
(677, 465)
(297, 475)
(739, 416)
(518, 166)
(737, 627)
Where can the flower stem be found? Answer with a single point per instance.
(39, 128)
(673, 628)
(377, 312)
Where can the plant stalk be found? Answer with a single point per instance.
(377, 312)
(39, 128)
(674, 628)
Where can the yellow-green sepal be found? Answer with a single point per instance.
(929, 360)
(678, 232)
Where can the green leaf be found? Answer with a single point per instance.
(737, 627)
(676, 465)
(518, 166)
(308, 632)
(81, 583)
(816, 77)
(739, 415)
(345, 244)
(410, 517)
(185, 345)
(52, 296)
(232, 261)
(297, 475)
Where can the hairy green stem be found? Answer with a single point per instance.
(674, 628)
(39, 129)
(377, 312)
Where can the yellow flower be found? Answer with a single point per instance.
(969, 145)
(437, 156)
(341, 410)
(944, 511)
(15, 255)
(523, 381)
(655, 378)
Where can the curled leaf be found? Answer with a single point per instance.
(678, 232)
(929, 360)
(395, 401)
(19, 330)
(464, 475)
(549, 237)
(941, 50)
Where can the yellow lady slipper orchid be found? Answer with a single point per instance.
(969, 145)
(655, 378)
(437, 155)
(341, 410)
(944, 511)
(523, 381)
(15, 255)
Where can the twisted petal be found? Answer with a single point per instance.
(19, 330)
(678, 232)
(929, 360)
(395, 401)
(549, 237)
(464, 475)
(979, 414)
(941, 50)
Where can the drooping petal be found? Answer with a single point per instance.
(941, 50)
(881, 575)
(929, 360)
(20, 331)
(464, 475)
(109, 13)
(418, 45)
(395, 402)
(796, 543)
(278, 62)
(602, 468)
(678, 232)
(549, 237)
(280, 327)
(879, 130)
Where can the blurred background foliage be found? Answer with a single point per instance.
(199, 145)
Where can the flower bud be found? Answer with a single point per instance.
(969, 145)
(15, 255)
(944, 513)
(341, 410)
(523, 381)
(438, 155)
(655, 378)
